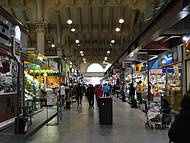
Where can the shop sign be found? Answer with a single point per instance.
(166, 59)
(116, 71)
(5, 32)
(17, 49)
(142, 56)
(126, 64)
(53, 65)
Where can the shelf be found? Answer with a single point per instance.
(9, 93)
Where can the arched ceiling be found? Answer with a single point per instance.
(94, 20)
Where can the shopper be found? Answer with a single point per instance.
(166, 112)
(132, 96)
(139, 91)
(79, 94)
(90, 95)
(106, 90)
(180, 129)
(117, 90)
(123, 91)
(66, 90)
(98, 93)
(62, 94)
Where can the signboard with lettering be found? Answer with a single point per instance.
(5, 32)
(53, 65)
(17, 49)
(166, 59)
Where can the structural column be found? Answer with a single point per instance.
(40, 27)
(58, 34)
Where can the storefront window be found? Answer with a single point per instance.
(8, 74)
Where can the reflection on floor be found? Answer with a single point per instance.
(82, 126)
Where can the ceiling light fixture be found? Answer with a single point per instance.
(108, 52)
(71, 63)
(69, 21)
(117, 29)
(84, 62)
(52, 45)
(112, 41)
(77, 41)
(121, 20)
(72, 29)
(185, 38)
(81, 52)
(105, 58)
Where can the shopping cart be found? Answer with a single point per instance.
(154, 115)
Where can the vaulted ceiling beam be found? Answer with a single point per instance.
(22, 2)
(91, 40)
(103, 1)
(119, 2)
(58, 26)
(100, 19)
(73, 2)
(121, 16)
(13, 12)
(7, 2)
(110, 18)
(90, 18)
(83, 42)
(98, 42)
(88, 1)
(79, 20)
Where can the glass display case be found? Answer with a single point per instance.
(8, 75)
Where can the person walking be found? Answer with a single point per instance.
(62, 95)
(106, 90)
(166, 112)
(180, 129)
(79, 93)
(132, 96)
(117, 90)
(123, 91)
(139, 91)
(98, 93)
(90, 95)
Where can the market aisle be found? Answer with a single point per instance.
(82, 126)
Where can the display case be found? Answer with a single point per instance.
(8, 74)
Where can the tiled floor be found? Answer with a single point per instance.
(82, 126)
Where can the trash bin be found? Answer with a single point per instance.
(68, 104)
(105, 111)
(20, 125)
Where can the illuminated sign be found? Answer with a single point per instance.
(17, 33)
(166, 59)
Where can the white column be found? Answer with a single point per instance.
(40, 37)
(40, 26)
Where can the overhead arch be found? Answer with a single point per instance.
(95, 67)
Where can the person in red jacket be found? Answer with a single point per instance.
(98, 93)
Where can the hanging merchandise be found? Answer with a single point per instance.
(139, 68)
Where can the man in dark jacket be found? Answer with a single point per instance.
(90, 95)
(79, 93)
(180, 129)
